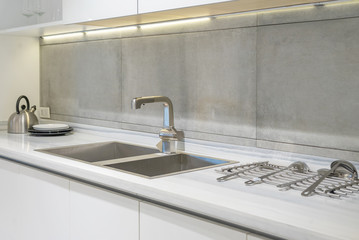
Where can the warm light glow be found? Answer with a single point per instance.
(110, 30)
(289, 8)
(342, 2)
(184, 21)
(64, 35)
(201, 19)
(274, 10)
(299, 7)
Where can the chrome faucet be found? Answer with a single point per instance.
(168, 133)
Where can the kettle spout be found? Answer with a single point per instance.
(33, 109)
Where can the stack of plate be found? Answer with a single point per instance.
(50, 129)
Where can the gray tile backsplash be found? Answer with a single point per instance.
(285, 80)
(82, 79)
(211, 85)
(307, 83)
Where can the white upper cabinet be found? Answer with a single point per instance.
(20, 13)
(75, 11)
(11, 15)
(47, 17)
(47, 10)
(34, 13)
(145, 6)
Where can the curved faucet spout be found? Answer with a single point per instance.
(168, 120)
(168, 133)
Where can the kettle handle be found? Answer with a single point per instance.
(18, 103)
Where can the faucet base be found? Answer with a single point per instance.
(168, 146)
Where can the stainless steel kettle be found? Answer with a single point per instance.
(21, 121)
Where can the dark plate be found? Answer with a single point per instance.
(49, 133)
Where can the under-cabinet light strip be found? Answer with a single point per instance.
(291, 8)
(118, 29)
(64, 35)
(109, 30)
(174, 22)
(191, 20)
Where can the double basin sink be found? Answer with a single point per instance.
(138, 160)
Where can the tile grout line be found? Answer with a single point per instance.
(138, 124)
(256, 79)
(139, 220)
(244, 138)
(121, 81)
(305, 145)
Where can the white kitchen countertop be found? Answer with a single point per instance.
(262, 207)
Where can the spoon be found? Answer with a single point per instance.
(339, 173)
(346, 170)
(333, 167)
(298, 166)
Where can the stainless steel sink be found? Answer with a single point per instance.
(157, 166)
(99, 151)
(138, 160)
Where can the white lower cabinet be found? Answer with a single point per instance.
(9, 176)
(256, 237)
(43, 208)
(158, 223)
(34, 205)
(100, 214)
(37, 205)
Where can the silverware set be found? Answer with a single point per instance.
(341, 180)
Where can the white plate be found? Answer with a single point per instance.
(50, 127)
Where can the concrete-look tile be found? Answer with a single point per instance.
(57, 88)
(218, 138)
(347, 9)
(308, 83)
(220, 67)
(210, 77)
(45, 66)
(310, 150)
(82, 79)
(152, 66)
(89, 121)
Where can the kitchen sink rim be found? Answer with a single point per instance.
(105, 163)
(156, 155)
(45, 150)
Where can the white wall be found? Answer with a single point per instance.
(19, 72)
